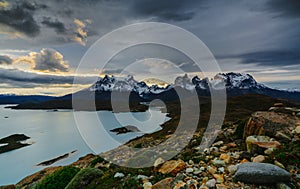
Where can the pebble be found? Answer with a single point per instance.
(297, 130)
(191, 162)
(180, 185)
(211, 183)
(269, 151)
(259, 159)
(142, 177)
(197, 172)
(279, 164)
(219, 143)
(147, 185)
(244, 161)
(211, 170)
(218, 163)
(232, 169)
(192, 183)
(223, 148)
(231, 145)
(221, 186)
(189, 170)
(219, 178)
(165, 183)
(213, 149)
(225, 158)
(158, 162)
(221, 169)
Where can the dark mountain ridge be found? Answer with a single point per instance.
(121, 90)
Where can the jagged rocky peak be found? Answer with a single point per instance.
(229, 80)
(112, 83)
(184, 82)
(200, 83)
(238, 80)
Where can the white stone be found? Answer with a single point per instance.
(221, 169)
(218, 163)
(297, 130)
(142, 177)
(232, 169)
(147, 185)
(211, 183)
(189, 170)
(119, 175)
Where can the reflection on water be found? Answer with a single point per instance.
(55, 133)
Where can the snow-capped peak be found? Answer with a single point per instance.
(219, 81)
(125, 84)
(237, 80)
(184, 82)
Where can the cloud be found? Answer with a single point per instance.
(268, 58)
(5, 59)
(175, 10)
(19, 77)
(58, 26)
(4, 4)
(20, 17)
(80, 31)
(47, 60)
(289, 8)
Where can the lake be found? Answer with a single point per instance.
(54, 133)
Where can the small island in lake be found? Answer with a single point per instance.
(126, 129)
(13, 142)
(51, 161)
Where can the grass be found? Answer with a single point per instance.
(287, 154)
(58, 179)
(84, 178)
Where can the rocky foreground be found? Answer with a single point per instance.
(260, 152)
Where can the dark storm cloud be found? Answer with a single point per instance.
(58, 26)
(5, 60)
(166, 10)
(268, 58)
(290, 8)
(176, 10)
(20, 16)
(15, 75)
(31, 5)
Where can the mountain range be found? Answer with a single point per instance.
(235, 83)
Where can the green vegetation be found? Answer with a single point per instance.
(58, 179)
(287, 154)
(98, 159)
(84, 178)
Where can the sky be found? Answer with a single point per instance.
(42, 42)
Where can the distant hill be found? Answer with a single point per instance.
(15, 99)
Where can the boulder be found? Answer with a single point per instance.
(272, 124)
(261, 173)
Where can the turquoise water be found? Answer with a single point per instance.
(55, 133)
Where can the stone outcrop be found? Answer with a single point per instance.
(273, 124)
